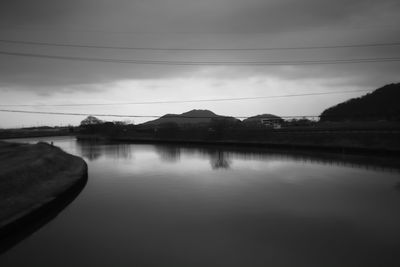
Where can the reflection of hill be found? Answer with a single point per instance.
(222, 156)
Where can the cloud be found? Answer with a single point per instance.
(189, 15)
(190, 23)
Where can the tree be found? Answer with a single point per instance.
(220, 126)
(91, 120)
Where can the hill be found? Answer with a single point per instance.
(257, 119)
(382, 104)
(195, 116)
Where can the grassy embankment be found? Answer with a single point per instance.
(32, 176)
(34, 132)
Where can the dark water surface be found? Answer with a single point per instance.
(163, 205)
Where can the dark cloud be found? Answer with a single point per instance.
(43, 11)
(191, 23)
(184, 15)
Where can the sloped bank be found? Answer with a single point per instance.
(35, 181)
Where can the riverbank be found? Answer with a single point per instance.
(33, 178)
(34, 132)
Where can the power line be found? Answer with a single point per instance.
(138, 116)
(175, 115)
(75, 114)
(207, 63)
(183, 101)
(200, 49)
(13, 27)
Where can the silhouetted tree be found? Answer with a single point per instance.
(168, 130)
(90, 125)
(219, 126)
(91, 120)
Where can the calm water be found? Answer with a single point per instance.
(158, 205)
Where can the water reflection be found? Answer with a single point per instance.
(174, 205)
(220, 160)
(169, 153)
(172, 154)
(93, 150)
(223, 157)
(89, 150)
(397, 186)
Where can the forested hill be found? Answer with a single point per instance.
(382, 104)
(191, 117)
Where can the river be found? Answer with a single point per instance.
(172, 205)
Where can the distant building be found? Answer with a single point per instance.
(271, 123)
(277, 126)
(264, 121)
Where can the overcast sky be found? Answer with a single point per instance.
(190, 24)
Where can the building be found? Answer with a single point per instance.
(271, 123)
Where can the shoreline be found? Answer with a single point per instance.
(37, 180)
(13, 233)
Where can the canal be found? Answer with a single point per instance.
(173, 205)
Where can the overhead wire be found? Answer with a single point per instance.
(192, 63)
(184, 101)
(138, 116)
(79, 29)
(206, 63)
(197, 48)
(174, 115)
